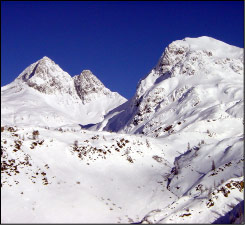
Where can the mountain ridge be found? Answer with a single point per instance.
(181, 71)
(173, 153)
(57, 91)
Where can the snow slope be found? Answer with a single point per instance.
(43, 94)
(171, 154)
(194, 94)
(105, 177)
(196, 79)
(71, 175)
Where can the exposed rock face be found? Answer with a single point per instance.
(192, 56)
(48, 95)
(47, 77)
(88, 86)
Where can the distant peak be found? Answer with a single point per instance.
(86, 72)
(45, 59)
(179, 49)
(208, 43)
(88, 85)
(203, 41)
(45, 76)
(88, 76)
(201, 38)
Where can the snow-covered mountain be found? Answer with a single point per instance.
(90, 88)
(196, 79)
(44, 94)
(192, 98)
(175, 154)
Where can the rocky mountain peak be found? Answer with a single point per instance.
(87, 72)
(88, 77)
(36, 68)
(192, 56)
(46, 58)
(47, 62)
(185, 77)
(88, 86)
(46, 77)
(192, 52)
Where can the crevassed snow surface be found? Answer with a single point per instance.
(177, 156)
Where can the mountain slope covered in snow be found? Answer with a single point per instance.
(193, 96)
(196, 79)
(171, 154)
(43, 94)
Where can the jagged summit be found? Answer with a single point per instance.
(47, 77)
(45, 58)
(85, 95)
(86, 72)
(88, 86)
(34, 68)
(88, 77)
(46, 61)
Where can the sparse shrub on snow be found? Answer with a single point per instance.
(11, 129)
(168, 127)
(130, 159)
(148, 143)
(213, 165)
(35, 134)
(157, 158)
(76, 144)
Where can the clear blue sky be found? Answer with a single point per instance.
(120, 42)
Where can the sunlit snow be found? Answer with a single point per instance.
(171, 154)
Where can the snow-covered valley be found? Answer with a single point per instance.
(171, 154)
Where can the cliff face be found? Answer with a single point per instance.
(47, 77)
(89, 87)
